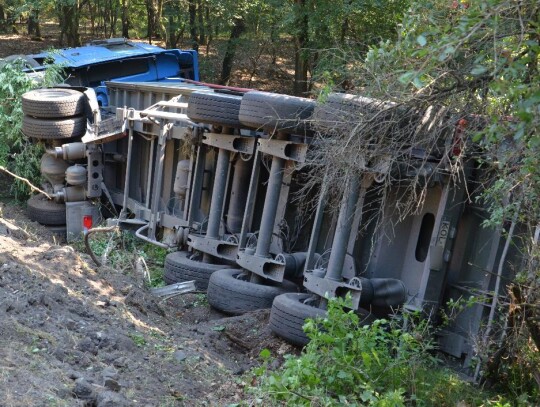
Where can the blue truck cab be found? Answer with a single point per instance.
(118, 60)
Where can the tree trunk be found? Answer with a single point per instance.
(193, 25)
(2, 19)
(92, 17)
(125, 18)
(208, 29)
(237, 30)
(33, 24)
(274, 42)
(300, 87)
(69, 23)
(200, 15)
(152, 11)
(114, 18)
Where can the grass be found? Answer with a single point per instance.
(122, 251)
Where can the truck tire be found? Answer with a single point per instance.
(214, 108)
(289, 314)
(290, 311)
(341, 112)
(53, 103)
(54, 128)
(275, 112)
(179, 267)
(28, 62)
(230, 292)
(45, 211)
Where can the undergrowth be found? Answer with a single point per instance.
(18, 153)
(383, 364)
(122, 251)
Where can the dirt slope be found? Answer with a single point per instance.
(74, 335)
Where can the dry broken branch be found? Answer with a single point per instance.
(26, 181)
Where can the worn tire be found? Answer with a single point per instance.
(341, 113)
(45, 211)
(53, 103)
(275, 112)
(179, 267)
(289, 314)
(28, 62)
(214, 108)
(54, 128)
(229, 294)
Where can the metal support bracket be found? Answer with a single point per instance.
(262, 266)
(95, 172)
(287, 150)
(327, 288)
(234, 143)
(223, 249)
(170, 221)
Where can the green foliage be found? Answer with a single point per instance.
(139, 340)
(19, 154)
(16, 151)
(477, 58)
(348, 363)
(124, 252)
(13, 83)
(341, 33)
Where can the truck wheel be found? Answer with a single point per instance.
(45, 211)
(275, 112)
(214, 108)
(179, 267)
(229, 291)
(289, 314)
(54, 128)
(26, 60)
(340, 112)
(53, 103)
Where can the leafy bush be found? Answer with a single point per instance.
(19, 154)
(347, 363)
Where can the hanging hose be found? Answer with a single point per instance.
(87, 243)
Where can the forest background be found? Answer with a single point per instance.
(282, 44)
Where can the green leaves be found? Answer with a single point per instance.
(346, 363)
(478, 70)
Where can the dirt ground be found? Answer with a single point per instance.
(75, 335)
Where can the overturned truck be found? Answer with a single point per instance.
(214, 175)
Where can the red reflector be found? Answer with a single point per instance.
(87, 222)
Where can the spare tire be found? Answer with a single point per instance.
(214, 108)
(275, 112)
(54, 128)
(53, 103)
(45, 211)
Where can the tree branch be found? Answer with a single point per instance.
(34, 188)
